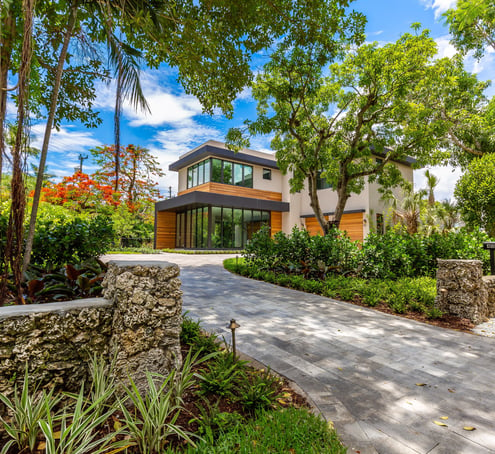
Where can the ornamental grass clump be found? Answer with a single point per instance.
(27, 408)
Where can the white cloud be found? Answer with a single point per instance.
(177, 141)
(439, 6)
(165, 108)
(447, 176)
(377, 33)
(67, 140)
(168, 104)
(445, 48)
(67, 143)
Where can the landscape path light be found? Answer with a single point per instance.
(232, 326)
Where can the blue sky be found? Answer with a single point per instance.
(176, 123)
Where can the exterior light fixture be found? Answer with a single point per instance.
(232, 326)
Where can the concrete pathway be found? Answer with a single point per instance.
(382, 380)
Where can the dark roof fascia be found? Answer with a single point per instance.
(198, 198)
(210, 150)
(331, 213)
(408, 161)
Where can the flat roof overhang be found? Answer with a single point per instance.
(198, 199)
(210, 150)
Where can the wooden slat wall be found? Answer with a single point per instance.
(352, 223)
(276, 222)
(165, 229)
(239, 191)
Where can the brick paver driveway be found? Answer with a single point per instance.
(360, 367)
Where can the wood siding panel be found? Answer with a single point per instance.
(276, 222)
(239, 191)
(352, 223)
(165, 229)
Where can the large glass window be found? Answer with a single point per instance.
(216, 170)
(220, 171)
(248, 176)
(207, 170)
(237, 228)
(190, 178)
(238, 180)
(227, 228)
(201, 173)
(195, 175)
(218, 228)
(227, 173)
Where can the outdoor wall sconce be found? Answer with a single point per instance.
(232, 326)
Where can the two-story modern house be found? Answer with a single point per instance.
(224, 197)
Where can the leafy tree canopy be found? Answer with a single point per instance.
(378, 102)
(475, 193)
(472, 25)
(138, 173)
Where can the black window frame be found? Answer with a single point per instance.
(193, 179)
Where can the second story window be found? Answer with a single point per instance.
(267, 174)
(219, 171)
(322, 183)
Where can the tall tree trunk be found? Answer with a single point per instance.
(342, 197)
(6, 41)
(48, 131)
(117, 115)
(15, 229)
(315, 202)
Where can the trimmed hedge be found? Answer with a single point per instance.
(393, 255)
(402, 295)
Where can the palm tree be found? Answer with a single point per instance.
(129, 80)
(406, 209)
(431, 182)
(449, 215)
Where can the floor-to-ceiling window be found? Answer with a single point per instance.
(218, 227)
(220, 171)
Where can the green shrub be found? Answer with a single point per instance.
(222, 375)
(191, 334)
(259, 391)
(301, 253)
(73, 241)
(398, 254)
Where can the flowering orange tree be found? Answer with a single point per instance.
(80, 192)
(137, 179)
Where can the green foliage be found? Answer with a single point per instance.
(475, 193)
(155, 413)
(191, 334)
(259, 391)
(300, 253)
(290, 430)
(75, 431)
(222, 375)
(27, 407)
(212, 422)
(70, 282)
(73, 241)
(382, 104)
(397, 254)
(402, 295)
(472, 25)
(393, 255)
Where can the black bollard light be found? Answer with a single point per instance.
(232, 326)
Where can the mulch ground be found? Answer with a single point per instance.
(445, 321)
